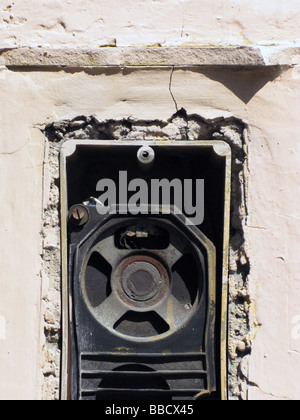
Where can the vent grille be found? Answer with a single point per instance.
(124, 376)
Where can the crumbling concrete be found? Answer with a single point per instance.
(51, 304)
(179, 127)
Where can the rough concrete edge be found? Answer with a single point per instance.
(51, 263)
(150, 56)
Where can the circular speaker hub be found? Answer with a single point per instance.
(141, 281)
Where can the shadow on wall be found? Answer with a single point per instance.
(244, 83)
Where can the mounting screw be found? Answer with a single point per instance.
(78, 215)
(146, 156)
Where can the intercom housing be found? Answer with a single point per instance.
(145, 233)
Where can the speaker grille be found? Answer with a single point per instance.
(143, 318)
(142, 376)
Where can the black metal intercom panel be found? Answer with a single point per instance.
(145, 228)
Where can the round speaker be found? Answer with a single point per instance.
(143, 280)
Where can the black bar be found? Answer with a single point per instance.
(166, 373)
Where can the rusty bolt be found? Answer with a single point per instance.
(78, 215)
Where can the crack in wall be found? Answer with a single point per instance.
(180, 126)
(170, 88)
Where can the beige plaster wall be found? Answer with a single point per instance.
(167, 22)
(266, 99)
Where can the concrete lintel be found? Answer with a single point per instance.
(149, 56)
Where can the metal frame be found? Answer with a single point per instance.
(221, 148)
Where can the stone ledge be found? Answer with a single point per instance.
(149, 57)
